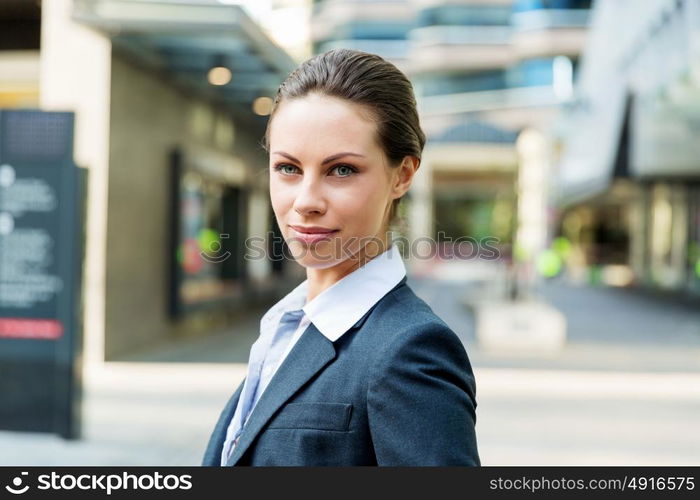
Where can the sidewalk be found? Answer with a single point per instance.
(608, 329)
(143, 414)
(136, 414)
(553, 417)
(626, 390)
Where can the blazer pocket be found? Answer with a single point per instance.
(319, 416)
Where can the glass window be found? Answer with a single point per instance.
(439, 84)
(376, 30)
(531, 72)
(464, 15)
(524, 5)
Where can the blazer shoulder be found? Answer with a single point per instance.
(401, 314)
(407, 333)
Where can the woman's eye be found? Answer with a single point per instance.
(285, 168)
(344, 170)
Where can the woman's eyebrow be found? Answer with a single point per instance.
(327, 160)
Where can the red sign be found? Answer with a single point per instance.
(24, 328)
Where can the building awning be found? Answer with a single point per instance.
(665, 142)
(185, 39)
(645, 69)
(592, 140)
(592, 128)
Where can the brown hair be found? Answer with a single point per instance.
(368, 80)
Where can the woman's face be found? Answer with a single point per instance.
(328, 174)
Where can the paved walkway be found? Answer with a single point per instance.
(162, 414)
(136, 414)
(608, 329)
(626, 390)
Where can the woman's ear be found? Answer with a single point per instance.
(402, 181)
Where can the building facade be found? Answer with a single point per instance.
(170, 101)
(629, 169)
(484, 71)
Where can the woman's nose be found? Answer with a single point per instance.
(310, 198)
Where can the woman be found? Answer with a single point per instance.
(351, 367)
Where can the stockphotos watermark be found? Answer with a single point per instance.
(274, 247)
(106, 483)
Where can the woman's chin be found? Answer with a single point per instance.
(318, 256)
(312, 264)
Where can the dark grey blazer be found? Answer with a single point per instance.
(396, 389)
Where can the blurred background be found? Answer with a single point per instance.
(131, 176)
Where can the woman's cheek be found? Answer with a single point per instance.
(282, 200)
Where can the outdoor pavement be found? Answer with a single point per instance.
(624, 391)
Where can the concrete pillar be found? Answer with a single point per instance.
(420, 213)
(637, 231)
(75, 65)
(534, 167)
(420, 210)
(679, 235)
(258, 216)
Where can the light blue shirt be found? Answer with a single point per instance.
(332, 312)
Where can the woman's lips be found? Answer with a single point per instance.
(309, 238)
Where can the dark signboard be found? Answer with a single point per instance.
(41, 249)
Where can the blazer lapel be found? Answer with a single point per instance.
(310, 354)
(212, 456)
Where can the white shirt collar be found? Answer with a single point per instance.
(341, 305)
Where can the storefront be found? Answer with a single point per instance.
(171, 101)
(635, 122)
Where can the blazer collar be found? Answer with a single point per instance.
(346, 302)
(312, 352)
(361, 321)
